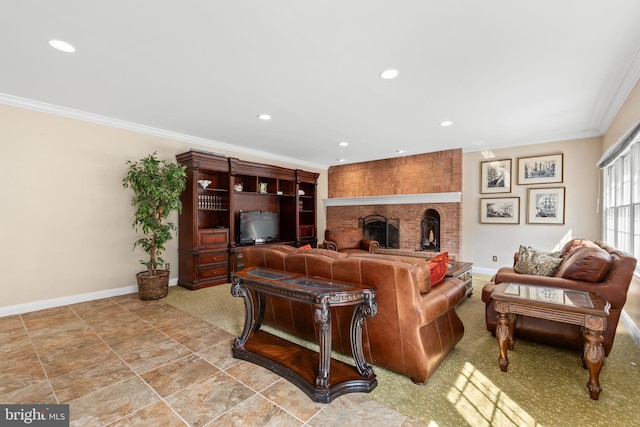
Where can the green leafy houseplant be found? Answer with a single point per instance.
(157, 185)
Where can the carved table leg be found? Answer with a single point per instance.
(511, 326)
(322, 315)
(260, 318)
(237, 290)
(366, 309)
(593, 358)
(504, 334)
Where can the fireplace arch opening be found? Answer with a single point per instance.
(430, 230)
(384, 230)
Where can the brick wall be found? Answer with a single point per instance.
(425, 173)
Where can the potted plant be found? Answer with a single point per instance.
(157, 185)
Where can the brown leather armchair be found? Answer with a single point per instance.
(349, 240)
(586, 266)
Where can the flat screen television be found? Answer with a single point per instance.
(259, 227)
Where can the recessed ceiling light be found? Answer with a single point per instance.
(62, 46)
(446, 123)
(339, 160)
(399, 151)
(343, 144)
(264, 117)
(389, 74)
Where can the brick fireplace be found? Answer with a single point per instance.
(431, 173)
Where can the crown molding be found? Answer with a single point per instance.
(397, 199)
(147, 130)
(629, 80)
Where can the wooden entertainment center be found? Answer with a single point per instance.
(208, 238)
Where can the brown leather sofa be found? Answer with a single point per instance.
(586, 266)
(348, 240)
(416, 325)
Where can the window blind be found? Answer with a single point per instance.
(619, 147)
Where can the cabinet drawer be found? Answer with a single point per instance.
(213, 258)
(216, 238)
(213, 272)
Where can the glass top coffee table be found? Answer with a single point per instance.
(586, 309)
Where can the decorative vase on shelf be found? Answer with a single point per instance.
(204, 183)
(238, 187)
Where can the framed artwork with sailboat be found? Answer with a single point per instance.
(540, 169)
(495, 176)
(546, 205)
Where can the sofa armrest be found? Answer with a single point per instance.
(444, 296)
(370, 245)
(330, 245)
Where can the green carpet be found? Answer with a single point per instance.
(545, 386)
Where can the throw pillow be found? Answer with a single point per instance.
(438, 266)
(589, 264)
(305, 247)
(535, 262)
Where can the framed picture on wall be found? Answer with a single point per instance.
(495, 176)
(500, 210)
(546, 206)
(540, 169)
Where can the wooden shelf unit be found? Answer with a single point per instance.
(208, 225)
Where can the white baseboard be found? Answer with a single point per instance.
(632, 328)
(484, 270)
(72, 299)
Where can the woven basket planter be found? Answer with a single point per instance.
(153, 287)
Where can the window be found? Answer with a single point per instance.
(621, 201)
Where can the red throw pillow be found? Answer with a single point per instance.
(438, 266)
(305, 247)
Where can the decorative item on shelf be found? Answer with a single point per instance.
(157, 186)
(301, 192)
(279, 193)
(204, 183)
(207, 202)
(238, 187)
(263, 187)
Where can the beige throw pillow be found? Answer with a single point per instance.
(537, 263)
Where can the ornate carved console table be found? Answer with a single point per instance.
(586, 309)
(319, 376)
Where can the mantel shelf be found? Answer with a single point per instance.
(397, 199)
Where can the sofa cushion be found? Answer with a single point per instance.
(537, 263)
(438, 266)
(588, 263)
(573, 245)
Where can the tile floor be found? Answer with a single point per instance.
(125, 362)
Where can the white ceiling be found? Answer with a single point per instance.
(505, 72)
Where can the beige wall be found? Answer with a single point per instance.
(65, 218)
(480, 242)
